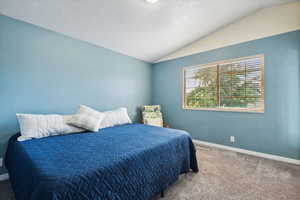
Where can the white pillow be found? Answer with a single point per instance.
(70, 128)
(115, 117)
(38, 126)
(87, 118)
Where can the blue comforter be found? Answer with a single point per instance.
(120, 163)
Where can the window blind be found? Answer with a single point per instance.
(235, 85)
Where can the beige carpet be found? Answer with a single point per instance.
(228, 175)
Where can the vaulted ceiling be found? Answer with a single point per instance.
(134, 27)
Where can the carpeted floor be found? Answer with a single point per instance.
(227, 175)
(5, 191)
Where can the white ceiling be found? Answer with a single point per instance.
(134, 27)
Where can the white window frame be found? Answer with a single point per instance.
(261, 109)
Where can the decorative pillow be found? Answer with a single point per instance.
(86, 118)
(38, 126)
(115, 117)
(69, 128)
(152, 115)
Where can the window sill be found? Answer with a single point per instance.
(259, 111)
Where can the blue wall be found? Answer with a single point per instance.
(275, 132)
(45, 72)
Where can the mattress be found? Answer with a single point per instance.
(125, 162)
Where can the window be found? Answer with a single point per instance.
(230, 85)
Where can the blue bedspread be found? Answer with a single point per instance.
(120, 163)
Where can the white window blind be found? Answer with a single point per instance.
(230, 85)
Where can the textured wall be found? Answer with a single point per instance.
(45, 72)
(275, 132)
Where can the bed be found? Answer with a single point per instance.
(128, 162)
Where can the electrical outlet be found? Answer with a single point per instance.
(1, 162)
(232, 139)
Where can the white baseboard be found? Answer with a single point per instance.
(4, 177)
(253, 153)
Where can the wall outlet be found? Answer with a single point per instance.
(1, 162)
(232, 139)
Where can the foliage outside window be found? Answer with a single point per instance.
(230, 85)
